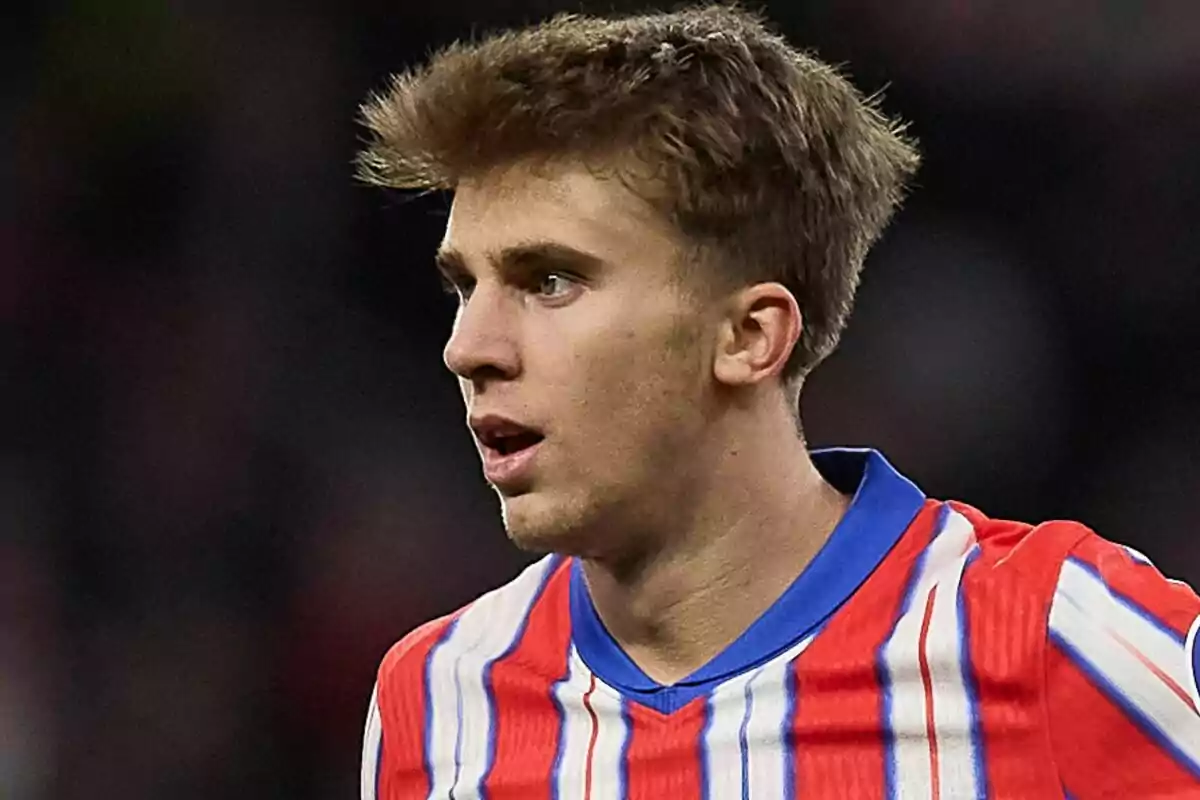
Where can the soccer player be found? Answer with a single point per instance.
(657, 229)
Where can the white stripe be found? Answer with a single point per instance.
(951, 704)
(1128, 676)
(570, 782)
(610, 740)
(1189, 650)
(765, 744)
(443, 718)
(901, 654)
(1086, 590)
(372, 736)
(722, 740)
(483, 633)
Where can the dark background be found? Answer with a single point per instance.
(233, 469)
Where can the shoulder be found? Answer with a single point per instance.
(497, 614)
(1062, 558)
(1103, 576)
(1121, 674)
(1112, 605)
(405, 660)
(989, 559)
(447, 665)
(1078, 587)
(1011, 557)
(1031, 549)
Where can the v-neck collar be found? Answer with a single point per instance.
(884, 504)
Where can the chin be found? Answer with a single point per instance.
(538, 524)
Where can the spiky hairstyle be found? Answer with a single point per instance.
(771, 163)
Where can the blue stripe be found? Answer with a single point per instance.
(971, 683)
(1194, 659)
(446, 634)
(489, 687)
(623, 767)
(458, 737)
(1128, 602)
(702, 750)
(562, 727)
(743, 743)
(885, 711)
(378, 757)
(881, 670)
(788, 735)
(1135, 715)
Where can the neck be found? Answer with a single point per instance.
(754, 525)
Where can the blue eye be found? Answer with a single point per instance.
(553, 284)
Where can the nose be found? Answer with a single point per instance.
(483, 342)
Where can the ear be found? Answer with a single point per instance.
(758, 334)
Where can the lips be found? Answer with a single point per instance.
(504, 435)
(508, 448)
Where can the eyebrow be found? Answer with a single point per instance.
(525, 255)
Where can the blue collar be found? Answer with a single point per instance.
(884, 504)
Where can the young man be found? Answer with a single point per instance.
(657, 229)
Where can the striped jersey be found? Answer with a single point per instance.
(927, 651)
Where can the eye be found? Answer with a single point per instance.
(554, 285)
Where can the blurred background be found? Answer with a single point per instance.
(233, 469)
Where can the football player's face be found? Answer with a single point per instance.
(582, 361)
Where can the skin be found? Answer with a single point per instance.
(671, 465)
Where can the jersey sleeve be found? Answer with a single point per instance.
(1121, 676)
(371, 750)
(394, 748)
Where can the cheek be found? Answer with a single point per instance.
(634, 385)
(622, 369)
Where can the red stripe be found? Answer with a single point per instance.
(1089, 733)
(527, 722)
(1006, 593)
(664, 752)
(401, 700)
(838, 724)
(1150, 665)
(591, 751)
(927, 681)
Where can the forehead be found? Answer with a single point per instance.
(567, 205)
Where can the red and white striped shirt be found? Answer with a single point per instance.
(926, 652)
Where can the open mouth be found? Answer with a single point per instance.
(509, 444)
(503, 437)
(508, 449)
